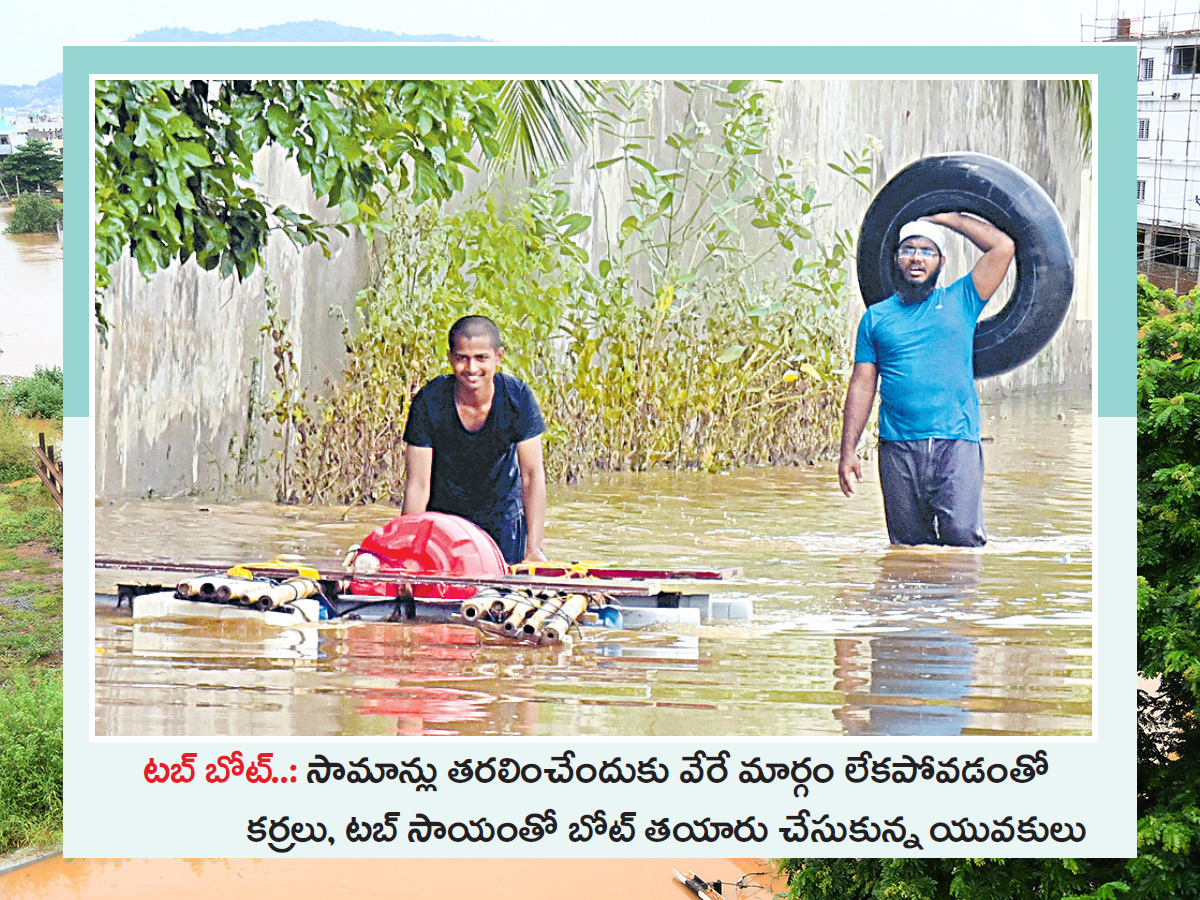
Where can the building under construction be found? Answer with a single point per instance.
(1168, 142)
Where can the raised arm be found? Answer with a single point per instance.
(533, 497)
(860, 396)
(998, 248)
(418, 465)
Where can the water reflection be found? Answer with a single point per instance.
(911, 677)
(849, 635)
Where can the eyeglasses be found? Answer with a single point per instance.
(923, 252)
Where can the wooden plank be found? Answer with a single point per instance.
(557, 571)
(49, 471)
(48, 462)
(51, 487)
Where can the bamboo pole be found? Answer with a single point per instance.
(523, 608)
(543, 612)
(292, 589)
(573, 606)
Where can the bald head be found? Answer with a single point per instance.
(474, 327)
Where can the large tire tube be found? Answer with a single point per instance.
(1012, 201)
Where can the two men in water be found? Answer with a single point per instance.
(474, 437)
(475, 447)
(918, 346)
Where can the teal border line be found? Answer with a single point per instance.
(1113, 64)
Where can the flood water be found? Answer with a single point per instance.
(849, 635)
(31, 297)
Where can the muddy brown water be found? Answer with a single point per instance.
(849, 635)
(368, 879)
(31, 297)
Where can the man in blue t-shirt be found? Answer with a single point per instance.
(475, 447)
(918, 345)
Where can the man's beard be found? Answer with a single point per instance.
(915, 293)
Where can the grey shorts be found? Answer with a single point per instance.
(933, 492)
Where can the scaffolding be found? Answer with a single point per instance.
(1168, 139)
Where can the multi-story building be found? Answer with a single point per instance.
(46, 127)
(11, 137)
(1168, 142)
(16, 128)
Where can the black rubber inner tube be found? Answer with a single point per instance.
(1012, 201)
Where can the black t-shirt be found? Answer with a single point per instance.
(475, 474)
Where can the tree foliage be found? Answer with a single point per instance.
(946, 879)
(1167, 866)
(706, 335)
(1077, 95)
(1168, 524)
(534, 115)
(34, 215)
(34, 166)
(174, 160)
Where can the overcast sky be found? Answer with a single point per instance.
(35, 35)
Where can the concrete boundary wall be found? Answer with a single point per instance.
(185, 359)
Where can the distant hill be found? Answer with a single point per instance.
(45, 96)
(315, 31)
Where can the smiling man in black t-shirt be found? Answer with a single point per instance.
(475, 446)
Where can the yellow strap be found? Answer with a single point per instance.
(245, 569)
(571, 570)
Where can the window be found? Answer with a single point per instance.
(1171, 249)
(1141, 190)
(1183, 60)
(1143, 129)
(1146, 69)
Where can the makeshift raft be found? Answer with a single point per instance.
(434, 568)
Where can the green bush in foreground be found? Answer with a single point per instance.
(40, 396)
(31, 759)
(34, 215)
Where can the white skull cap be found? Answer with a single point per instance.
(928, 230)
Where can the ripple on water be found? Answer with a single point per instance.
(849, 636)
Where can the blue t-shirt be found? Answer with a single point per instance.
(475, 474)
(925, 355)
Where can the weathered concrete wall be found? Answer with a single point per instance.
(175, 384)
(1023, 122)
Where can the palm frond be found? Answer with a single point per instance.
(537, 115)
(1077, 93)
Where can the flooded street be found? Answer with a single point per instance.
(849, 636)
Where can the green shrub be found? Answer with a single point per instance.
(27, 513)
(38, 397)
(34, 215)
(16, 452)
(709, 334)
(31, 759)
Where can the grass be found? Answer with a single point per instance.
(28, 514)
(31, 759)
(31, 700)
(18, 435)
